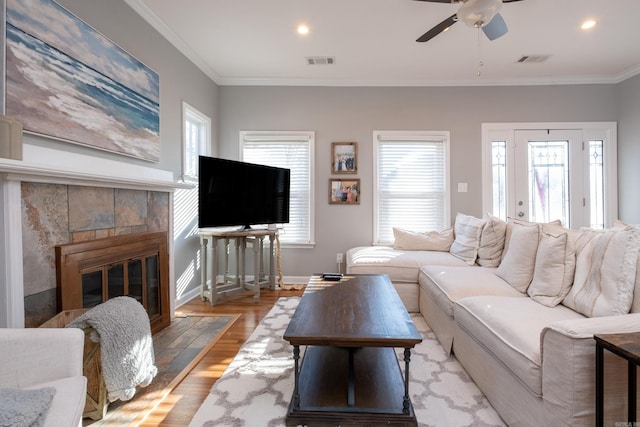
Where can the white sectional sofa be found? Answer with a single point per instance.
(522, 325)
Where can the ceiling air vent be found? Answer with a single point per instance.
(320, 60)
(533, 59)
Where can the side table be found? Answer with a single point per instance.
(627, 346)
(209, 288)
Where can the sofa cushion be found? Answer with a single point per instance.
(605, 272)
(519, 257)
(446, 284)
(427, 241)
(635, 305)
(510, 328)
(467, 231)
(400, 266)
(554, 269)
(491, 241)
(68, 403)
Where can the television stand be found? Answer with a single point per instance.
(210, 289)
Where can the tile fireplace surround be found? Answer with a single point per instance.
(44, 205)
(54, 214)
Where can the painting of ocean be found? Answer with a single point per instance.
(67, 81)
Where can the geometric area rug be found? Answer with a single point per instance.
(255, 389)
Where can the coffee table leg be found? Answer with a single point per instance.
(406, 401)
(351, 383)
(296, 371)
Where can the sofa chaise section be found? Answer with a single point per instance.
(401, 266)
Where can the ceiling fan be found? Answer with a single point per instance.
(475, 13)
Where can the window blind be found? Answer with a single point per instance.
(292, 152)
(411, 184)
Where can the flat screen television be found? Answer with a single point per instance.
(244, 194)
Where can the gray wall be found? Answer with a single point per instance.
(353, 113)
(180, 80)
(629, 150)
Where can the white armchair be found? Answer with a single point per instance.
(34, 358)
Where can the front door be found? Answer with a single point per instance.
(548, 177)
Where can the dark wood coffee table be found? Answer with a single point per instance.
(350, 373)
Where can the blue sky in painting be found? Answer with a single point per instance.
(67, 81)
(49, 22)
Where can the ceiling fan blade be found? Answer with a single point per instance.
(495, 28)
(442, 1)
(444, 25)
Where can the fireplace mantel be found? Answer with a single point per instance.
(49, 165)
(42, 164)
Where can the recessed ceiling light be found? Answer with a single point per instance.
(303, 29)
(588, 24)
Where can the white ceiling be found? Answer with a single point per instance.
(254, 42)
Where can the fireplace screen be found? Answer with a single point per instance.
(90, 273)
(137, 278)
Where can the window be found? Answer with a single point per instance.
(411, 182)
(196, 140)
(294, 151)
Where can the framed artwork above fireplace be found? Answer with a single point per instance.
(67, 81)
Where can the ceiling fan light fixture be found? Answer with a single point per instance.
(478, 13)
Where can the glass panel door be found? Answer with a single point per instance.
(548, 177)
(135, 279)
(152, 277)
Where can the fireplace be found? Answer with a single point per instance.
(136, 265)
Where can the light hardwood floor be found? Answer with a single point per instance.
(179, 407)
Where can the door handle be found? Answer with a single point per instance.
(520, 214)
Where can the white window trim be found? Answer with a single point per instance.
(302, 136)
(407, 136)
(606, 131)
(205, 150)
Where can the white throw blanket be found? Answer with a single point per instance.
(121, 325)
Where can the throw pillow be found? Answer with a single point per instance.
(491, 241)
(554, 269)
(605, 272)
(427, 241)
(547, 226)
(467, 231)
(519, 256)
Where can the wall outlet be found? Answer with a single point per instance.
(339, 257)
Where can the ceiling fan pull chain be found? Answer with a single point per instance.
(480, 62)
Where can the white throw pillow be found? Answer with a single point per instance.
(427, 241)
(467, 231)
(491, 241)
(519, 256)
(553, 226)
(605, 272)
(554, 269)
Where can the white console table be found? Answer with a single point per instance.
(210, 289)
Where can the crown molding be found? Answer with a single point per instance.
(141, 9)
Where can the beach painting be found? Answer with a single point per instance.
(67, 81)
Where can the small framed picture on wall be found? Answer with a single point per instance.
(344, 191)
(344, 157)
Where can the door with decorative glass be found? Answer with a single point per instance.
(548, 176)
(545, 175)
